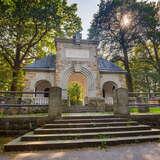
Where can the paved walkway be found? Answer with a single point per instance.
(143, 151)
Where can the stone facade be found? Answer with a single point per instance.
(118, 79)
(32, 77)
(75, 61)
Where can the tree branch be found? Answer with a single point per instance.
(6, 54)
(33, 44)
(149, 53)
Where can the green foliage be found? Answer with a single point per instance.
(5, 75)
(28, 29)
(145, 76)
(114, 26)
(152, 110)
(103, 141)
(140, 32)
(75, 93)
(149, 37)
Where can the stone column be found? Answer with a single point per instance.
(55, 103)
(120, 99)
(142, 109)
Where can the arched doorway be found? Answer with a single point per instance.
(77, 81)
(108, 90)
(83, 71)
(42, 86)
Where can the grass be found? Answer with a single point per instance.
(154, 110)
(151, 110)
(4, 140)
(134, 110)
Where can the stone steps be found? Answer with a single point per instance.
(90, 116)
(70, 136)
(95, 124)
(89, 129)
(82, 109)
(88, 120)
(84, 131)
(70, 144)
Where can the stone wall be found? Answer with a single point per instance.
(20, 125)
(82, 109)
(149, 119)
(23, 110)
(32, 77)
(118, 79)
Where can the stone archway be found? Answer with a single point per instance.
(66, 74)
(108, 90)
(80, 79)
(42, 86)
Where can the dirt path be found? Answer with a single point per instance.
(143, 151)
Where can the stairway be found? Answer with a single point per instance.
(84, 131)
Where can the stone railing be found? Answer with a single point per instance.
(12, 102)
(144, 101)
(11, 98)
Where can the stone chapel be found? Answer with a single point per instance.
(76, 60)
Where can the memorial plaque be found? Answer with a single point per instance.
(77, 53)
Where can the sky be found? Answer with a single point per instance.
(86, 9)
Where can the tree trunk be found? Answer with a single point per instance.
(148, 84)
(16, 71)
(157, 57)
(15, 76)
(128, 77)
(126, 64)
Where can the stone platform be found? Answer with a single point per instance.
(78, 131)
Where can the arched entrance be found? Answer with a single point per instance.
(77, 81)
(83, 71)
(42, 86)
(108, 89)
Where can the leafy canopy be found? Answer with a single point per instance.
(28, 29)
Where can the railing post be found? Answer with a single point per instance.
(145, 108)
(120, 100)
(55, 103)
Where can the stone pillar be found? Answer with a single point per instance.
(55, 103)
(120, 100)
(142, 109)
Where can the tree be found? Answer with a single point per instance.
(145, 60)
(25, 25)
(123, 25)
(5, 74)
(75, 93)
(145, 76)
(149, 37)
(114, 26)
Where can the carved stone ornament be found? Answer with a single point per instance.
(77, 67)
